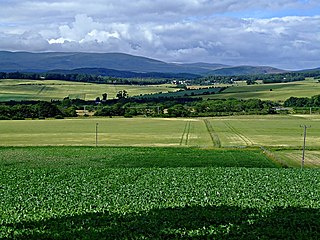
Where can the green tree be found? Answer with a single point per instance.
(122, 94)
(104, 97)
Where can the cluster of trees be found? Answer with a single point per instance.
(53, 76)
(183, 93)
(129, 107)
(222, 107)
(196, 108)
(313, 101)
(14, 110)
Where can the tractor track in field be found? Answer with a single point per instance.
(41, 90)
(213, 135)
(185, 135)
(245, 139)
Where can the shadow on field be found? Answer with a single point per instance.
(195, 222)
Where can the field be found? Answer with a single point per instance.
(278, 92)
(53, 89)
(118, 193)
(152, 178)
(276, 133)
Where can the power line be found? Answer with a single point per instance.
(304, 143)
(97, 134)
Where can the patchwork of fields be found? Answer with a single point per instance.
(53, 89)
(274, 92)
(152, 178)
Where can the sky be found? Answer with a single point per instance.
(277, 33)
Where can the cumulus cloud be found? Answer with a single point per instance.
(225, 31)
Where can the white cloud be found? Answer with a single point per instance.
(181, 30)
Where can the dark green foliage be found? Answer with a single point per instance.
(183, 93)
(314, 101)
(35, 110)
(103, 193)
(132, 157)
(178, 111)
(230, 106)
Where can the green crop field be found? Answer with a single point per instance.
(131, 157)
(54, 89)
(157, 178)
(153, 193)
(274, 92)
(273, 132)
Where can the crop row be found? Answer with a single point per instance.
(118, 157)
(156, 203)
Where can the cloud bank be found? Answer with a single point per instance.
(284, 34)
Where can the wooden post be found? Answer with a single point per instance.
(97, 134)
(304, 144)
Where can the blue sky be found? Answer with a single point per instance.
(283, 33)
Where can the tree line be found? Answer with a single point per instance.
(153, 107)
(211, 79)
(265, 78)
(313, 101)
(32, 110)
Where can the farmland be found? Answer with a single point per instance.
(158, 178)
(84, 192)
(274, 92)
(17, 89)
(54, 89)
(273, 132)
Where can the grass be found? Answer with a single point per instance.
(54, 89)
(234, 131)
(269, 130)
(293, 157)
(111, 132)
(278, 131)
(280, 91)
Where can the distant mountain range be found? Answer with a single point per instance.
(117, 65)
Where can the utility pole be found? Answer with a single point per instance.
(304, 143)
(97, 134)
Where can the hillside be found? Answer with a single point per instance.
(66, 61)
(42, 62)
(245, 70)
(124, 74)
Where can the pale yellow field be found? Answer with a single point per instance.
(273, 132)
(54, 89)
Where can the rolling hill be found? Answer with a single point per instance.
(245, 70)
(43, 62)
(113, 62)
